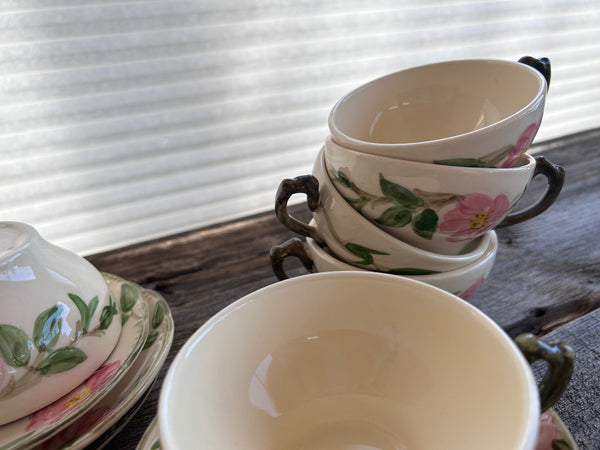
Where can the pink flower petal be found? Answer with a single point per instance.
(466, 295)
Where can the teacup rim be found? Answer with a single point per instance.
(525, 163)
(489, 252)
(532, 104)
(164, 414)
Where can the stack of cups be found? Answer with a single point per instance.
(420, 167)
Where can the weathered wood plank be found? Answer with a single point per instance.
(546, 277)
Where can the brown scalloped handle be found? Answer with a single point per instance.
(560, 358)
(304, 184)
(291, 247)
(555, 175)
(542, 65)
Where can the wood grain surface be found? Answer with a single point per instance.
(546, 278)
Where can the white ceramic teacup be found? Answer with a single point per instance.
(462, 282)
(56, 323)
(355, 360)
(354, 238)
(433, 207)
(478, 113)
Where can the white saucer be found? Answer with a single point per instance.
(39, 426)
(151, 438)
(114, 411)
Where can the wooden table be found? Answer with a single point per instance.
(546, 279)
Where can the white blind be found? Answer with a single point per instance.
(122, 121)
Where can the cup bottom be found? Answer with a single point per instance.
(350, 435)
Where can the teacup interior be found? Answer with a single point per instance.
(437, 101)
(349, 365)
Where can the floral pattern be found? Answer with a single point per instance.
(523, 143)
(468, 293)
(77, 428)
(510, 153)
(17, 347)
(63, 406)
(474, 215)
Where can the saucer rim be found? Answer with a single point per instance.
(147, 373)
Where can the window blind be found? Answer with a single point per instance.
(122, 121)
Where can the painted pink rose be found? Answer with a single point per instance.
(466, 295)
(547, 432)
(78, 396)
(473, 215)
(77, 428)
(522, 144)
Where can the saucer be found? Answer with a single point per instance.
(114, 411)
(551, 427)
(151, 438)
(39, 426)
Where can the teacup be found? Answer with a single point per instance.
(437, 208)
(57, 322)
(462, 282)
(356, 360)
(477, 113)
(354, 238)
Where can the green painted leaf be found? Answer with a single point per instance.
(398, 194)
(106, 316)
(362, 252)
(46, 329)
(462, 162)
(124, 318)
(15, 348)
(341, 178)
(152, 336)
(61, 360)
(92, 305)
(159, 314)
(129, 296)
(358, 202)
(83, 311)
(425, 224)
(155, 446)
(396, 216)
(411, 271)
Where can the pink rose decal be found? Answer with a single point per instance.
(78, 396)
(473, 215)
(522, 144)
(547, 432)
(76, 429)
(466, 295)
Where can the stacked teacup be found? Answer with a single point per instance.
(419, 169)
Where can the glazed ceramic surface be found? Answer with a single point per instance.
(481, 113)
(462, 282)
(41, 425)
(151, 438)
(338, 359)
(436, 208)
(552, 435)
(57, 323)
(359, 242)
(120, 402)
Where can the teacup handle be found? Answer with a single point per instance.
(555, 175)
(304, 184)
(291, 247)
(542, 65)
(560, 358)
